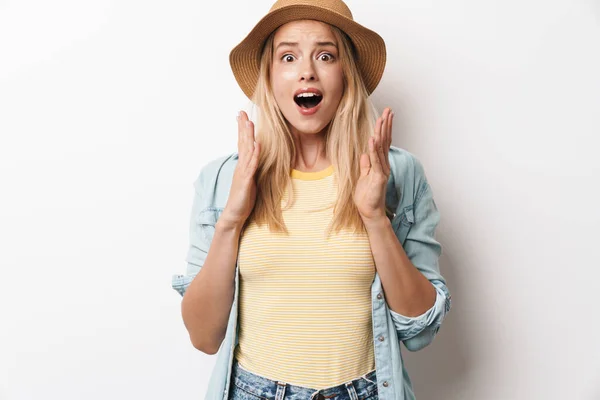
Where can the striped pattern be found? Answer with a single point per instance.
(305, 300)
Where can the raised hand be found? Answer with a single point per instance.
(242, 195)
(369, 194)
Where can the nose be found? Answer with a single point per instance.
(307, 71)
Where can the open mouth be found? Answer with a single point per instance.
(308, 100)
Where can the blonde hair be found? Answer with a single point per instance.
(347, 138)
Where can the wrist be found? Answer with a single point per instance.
(226, 224)
(379, 222)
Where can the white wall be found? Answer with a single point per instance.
(108, 110)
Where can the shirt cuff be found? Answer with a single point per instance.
(408, 327)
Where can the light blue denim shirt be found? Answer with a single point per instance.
(414, 222)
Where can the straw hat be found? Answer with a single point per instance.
(370, 47)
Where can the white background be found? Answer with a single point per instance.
(109, 109)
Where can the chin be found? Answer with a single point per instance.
(308, 125)
(309, 129)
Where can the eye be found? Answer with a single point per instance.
(284, 57)
(329, 57)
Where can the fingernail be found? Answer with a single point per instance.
(248, 124)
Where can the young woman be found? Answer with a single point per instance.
(312, 250)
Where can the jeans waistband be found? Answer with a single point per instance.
(358, 388)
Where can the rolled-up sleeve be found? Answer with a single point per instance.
(424, 252)
(198, 244)
(417, 332)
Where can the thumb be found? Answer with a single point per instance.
(365, 164)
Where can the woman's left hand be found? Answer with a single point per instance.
(369, 194)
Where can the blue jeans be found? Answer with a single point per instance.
(248, 386)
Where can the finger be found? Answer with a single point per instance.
(373, 141)
(254, 161)
(380, 147)
(249, 133)
(384, 118)
(239, 127)
(378, 126)
(391, 128)
(365, 164)
(242, 139)
(388, 142)
(385, 113)
(386, 129)
(373, 155)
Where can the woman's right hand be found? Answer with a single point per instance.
(242, 195)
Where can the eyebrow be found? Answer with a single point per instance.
(295, 44)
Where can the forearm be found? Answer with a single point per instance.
(407, 290)
(208, 299)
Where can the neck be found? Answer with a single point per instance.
(311, 151)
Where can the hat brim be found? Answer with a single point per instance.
(370, 47)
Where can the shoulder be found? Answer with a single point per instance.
(406, 168)
(214, 180)
(408, 181)
(216, 167)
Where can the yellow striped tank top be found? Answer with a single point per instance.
(305, 299)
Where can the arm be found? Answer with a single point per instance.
(416, 293)
(407, 291)
(209, 284)
(424, 251)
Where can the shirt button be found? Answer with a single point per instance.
(381, 338)
(385, 384)
(379, 296)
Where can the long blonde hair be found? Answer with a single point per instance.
(347, 138)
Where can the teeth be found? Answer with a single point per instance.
(307, 94)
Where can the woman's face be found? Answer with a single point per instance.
(305, 56)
